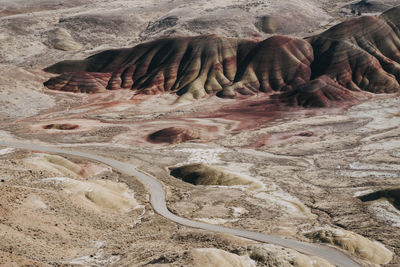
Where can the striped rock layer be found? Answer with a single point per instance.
(361, 54)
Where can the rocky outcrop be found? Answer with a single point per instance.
(361, 54)
(79, 82)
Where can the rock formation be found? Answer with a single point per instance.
(361, 54)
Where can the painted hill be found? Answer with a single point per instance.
(191, 66)
(361, 54)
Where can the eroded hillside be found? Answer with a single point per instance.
(291, 129)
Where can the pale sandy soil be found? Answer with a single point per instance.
(307, 167)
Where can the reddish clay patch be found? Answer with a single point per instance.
(250, 113)
(173, 135)
(6, 12)
(62, 126)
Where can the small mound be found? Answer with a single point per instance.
(55, 164)
(267, 24)
(79, 82)
(392, 195)
(61, 39)
(320, 92)
(273, 255)
(173, 135)
(285, 23)
(61, 166)
(99, 194)
(62, 126)
(367, 6)
(356, 244)
(202, 174)
(209, 257)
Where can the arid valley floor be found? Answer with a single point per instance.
(320, 175)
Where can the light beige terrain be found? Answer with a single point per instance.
(298, 175)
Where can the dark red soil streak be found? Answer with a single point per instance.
(64, 126)
(282, 138)
(250, 113)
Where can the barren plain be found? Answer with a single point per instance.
(325, 175)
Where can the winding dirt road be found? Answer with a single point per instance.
(158, 202)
